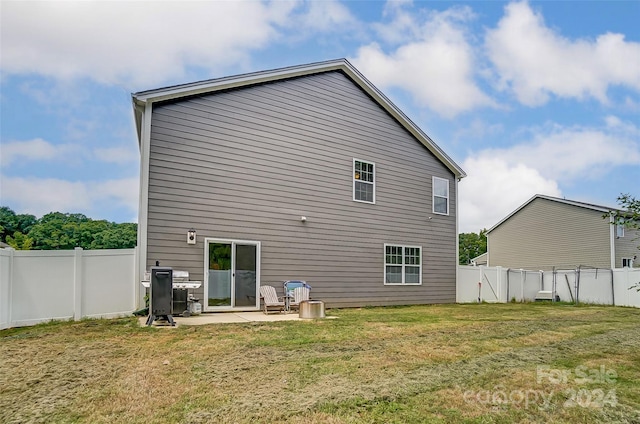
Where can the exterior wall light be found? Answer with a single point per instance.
(303, 219)
(191, 236)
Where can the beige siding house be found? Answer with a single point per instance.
(547, 232)
(307, 172)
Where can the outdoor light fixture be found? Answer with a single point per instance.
(191, 236)
(303, 219)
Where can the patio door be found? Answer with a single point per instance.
(232, 274)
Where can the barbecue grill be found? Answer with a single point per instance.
(169, 294)
(160, 295)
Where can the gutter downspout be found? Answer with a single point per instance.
(612, 240)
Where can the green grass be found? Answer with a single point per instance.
(444, 363)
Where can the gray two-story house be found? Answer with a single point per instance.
(306, 172)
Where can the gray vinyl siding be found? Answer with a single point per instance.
(246, 164)
(545, 233)
(627, 247)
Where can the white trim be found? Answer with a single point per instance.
(457, 241)
(433, 195)
(143, 205)
(353, 178)
(384, 264)
(233, 243)
(179, 91)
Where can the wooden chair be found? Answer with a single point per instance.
(271, 300)
(299, 294)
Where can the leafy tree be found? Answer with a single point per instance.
(58, 230)
(10, 223)
(19, 241)
(118, 237)
(629, 217)
(471, 245)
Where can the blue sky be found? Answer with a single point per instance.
(527, 97)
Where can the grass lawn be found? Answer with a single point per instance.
(446, 363)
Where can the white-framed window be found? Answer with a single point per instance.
(619, 230)
(402, 264)
(364, 181)
(627, 262)
(440, 196)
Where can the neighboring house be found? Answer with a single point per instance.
(547, 232)
(307, 172)
(479, 260)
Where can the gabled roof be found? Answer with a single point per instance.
(144, 98)
(597, 208)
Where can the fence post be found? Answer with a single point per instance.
(627, 286)
(6, 288)
(136, 272)
(499, 284)
(577, 285)
(522, 285)
(480, 283)
(77, 284)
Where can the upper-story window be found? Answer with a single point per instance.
(440, 196)
(364, 181)
(619, 230)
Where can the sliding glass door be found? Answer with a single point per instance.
(232, 274)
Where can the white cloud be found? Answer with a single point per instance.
(39, 150)
(36, 149)
(494, 188)
(39, 196)
(434, 61)
(119, 155)
(536, 61)
(325, 16)
(500, 180)
(140, 43)
(569, 154)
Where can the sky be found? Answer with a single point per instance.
(538, 97)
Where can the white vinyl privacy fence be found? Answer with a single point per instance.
(580, 285)
(38, 286)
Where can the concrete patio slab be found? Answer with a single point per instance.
(224, 318)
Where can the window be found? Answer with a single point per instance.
(619, 230)
(402, 264)
(440, 196)
(364, 181)
(627, 262)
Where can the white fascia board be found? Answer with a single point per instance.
(143, 98)
(143, 205)
(193, 89)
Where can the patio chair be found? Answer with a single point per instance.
(299, 294)
(290, 285)
(271, 300)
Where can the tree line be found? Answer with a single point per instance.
(60, 231)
